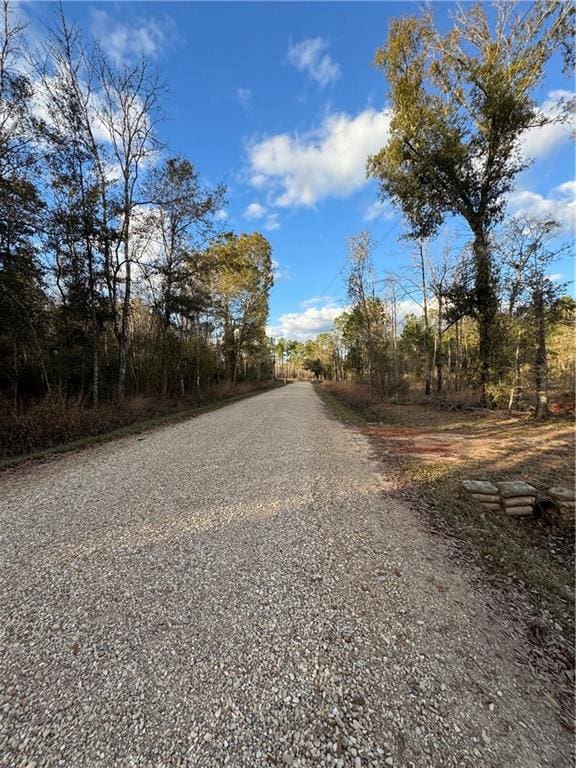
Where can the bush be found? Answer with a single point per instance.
(353, 394)
(51, 422)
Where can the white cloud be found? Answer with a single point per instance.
(540, 141)
(330, 161)
(407, 307)
(308, 56)
(244, 96)
(560, 205)
(221, 215)
(279, 272)
(271, 222)
(307, 324)
(318, 319)
(314, 301)
(379, 210)
(42, 105)
(254, 211)
(123, 42)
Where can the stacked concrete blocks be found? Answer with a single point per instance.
(564, 497)
(485, 493)
(518, 497)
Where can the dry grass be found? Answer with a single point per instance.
(51, 423)
(357, 396)
(430, 451)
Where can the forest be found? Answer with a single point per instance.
(122, 294)
(117, 279)
(494, 327)
(433, 355)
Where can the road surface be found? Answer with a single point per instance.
(242, 589)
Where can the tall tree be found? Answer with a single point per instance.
(367, 306)
(461, 101)
(176, 227)
(528, 248)
(128, 111)
(242, 285)
(67, 80)
(22, 298)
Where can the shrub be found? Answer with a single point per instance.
(352, 393)
(51, 422)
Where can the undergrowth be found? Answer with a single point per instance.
(537, 555)
(51, 423)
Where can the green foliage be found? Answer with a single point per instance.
(461, 101)
(114, 277)
(242, 267)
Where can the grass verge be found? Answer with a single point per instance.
(133, 428)
(428, 452)
(341, 409)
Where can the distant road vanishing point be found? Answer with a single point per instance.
(243, 589)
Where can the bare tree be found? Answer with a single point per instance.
(128, 109)
(362, 293)
(76, 160)
(528, 247)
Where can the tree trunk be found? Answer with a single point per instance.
(541, 358)
(122, 364)
(428, 366)
(458, 374)
(516, 389)
(394, 334)
(123, 336)
(164, 378)
(164, 359)
(198, 358)
(486, 307)
(15, 393)
(439, 353)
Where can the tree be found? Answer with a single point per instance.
(128, 110)
(101, 133)
(22, 298)
(368, 307)
(426, 336)
(243, 279)
(175, 228)
(441, 273)
(528, 247)
(77, 218)
(461, 102)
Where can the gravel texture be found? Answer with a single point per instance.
(243, 590)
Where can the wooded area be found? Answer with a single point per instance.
(494, 328)
(116, 277)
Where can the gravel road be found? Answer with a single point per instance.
(243, 590)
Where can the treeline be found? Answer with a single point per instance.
(434, 353)
(116, 278)
(461, 103)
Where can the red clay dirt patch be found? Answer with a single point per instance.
(403, 441)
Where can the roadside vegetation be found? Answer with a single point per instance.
(426, 452)
(477, 380)
(488, 322)
(48, 427)
(122, 294)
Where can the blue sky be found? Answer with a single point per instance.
(280, 101)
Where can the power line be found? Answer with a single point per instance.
(338, 273)
(387, 234)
